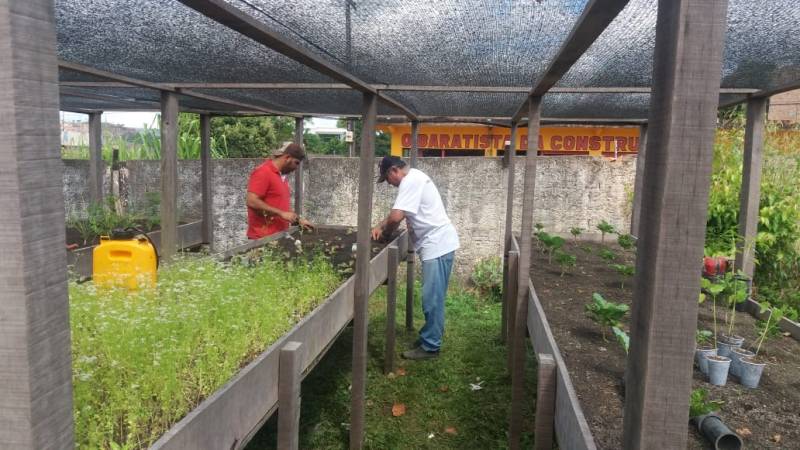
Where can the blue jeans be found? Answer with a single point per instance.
(435, 277)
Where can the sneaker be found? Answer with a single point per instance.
(419, 353)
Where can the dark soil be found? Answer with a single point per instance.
(335, 243)
(771, 412)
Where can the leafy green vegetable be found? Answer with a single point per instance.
(605, 313)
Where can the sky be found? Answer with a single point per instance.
(138, 119)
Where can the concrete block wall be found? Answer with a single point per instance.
(570, 191)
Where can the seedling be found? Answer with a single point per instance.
(488, 276)
(714, 289)
(624, 270)
(626, 241)
(551, 243)
(605, 313)
(604, 228)
(622, 337)
(699, 404)
(736, 290)
(764, 327)
(575, 232)
(608, 255)
(703, 336)
(565, 260)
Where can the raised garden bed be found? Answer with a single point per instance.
(596, 367)
(220, 414)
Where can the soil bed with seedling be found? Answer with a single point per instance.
(766, 417)
(142, 360)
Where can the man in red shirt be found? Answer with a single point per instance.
(269, 208)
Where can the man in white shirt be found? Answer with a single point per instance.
(434, 239)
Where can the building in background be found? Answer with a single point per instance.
(484, 140)
(785, 107)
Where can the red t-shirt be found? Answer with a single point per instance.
(267, 183)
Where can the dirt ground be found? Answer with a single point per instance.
(771, 412)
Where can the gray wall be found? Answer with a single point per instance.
(570, 191)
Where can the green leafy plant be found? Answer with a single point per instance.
(622, 337)
(488, 276)
(768, 328)
(736, 293)
(551, 244)
(625, 270)
(605, 313)
(575, 232)
(699, 404)
(605, 228)
(565, 260)
(626, 241)
(714, 289)
(608, 255)
(703, 336)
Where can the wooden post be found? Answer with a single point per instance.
(545, 402)
(96, 157)
(207, 186)
(352, 143)
(509, 164)
(510, 289)
(169, 175)
(751, 185)
(298, 174)
(521, 313)
(683, 110)
(35, 366)
(636, 211)
(391, 307)
(410, 257)
(289, 368)
(366, 182)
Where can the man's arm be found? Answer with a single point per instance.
(253, 201)
(389, 224)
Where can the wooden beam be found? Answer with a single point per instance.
(206, 180)
(366, 183)
(638, 183)
(169, 175)
(96, 158)
(686, 69)
(298, 174)
(750, 193)
(596, 16)
(239, 21)
(545, 402)
(225, 101)
(391, 308)
(521, 313)
(508, 161)
(402, 87)
(35, 367)
(290, 367)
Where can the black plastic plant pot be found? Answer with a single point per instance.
(711, 426)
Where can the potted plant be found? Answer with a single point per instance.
(719, 364)
(751, 367)
(735, 292)
(704, 349)
(605, 312)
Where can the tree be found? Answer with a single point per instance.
(383, 141)
(250, 137)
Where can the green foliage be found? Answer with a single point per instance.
(626, 241)
(713, 288)
(538, 226)
(383, 141)
(143, 359)
(605, 228)
(703, 336)
(608, 255)
(551, 244)
(700, 405)
(488, 276)
(252, 137)
(769, 328)
(605, 313)
(623, 338)
(324, 145)
(565, 260)
(575, 232)
(625, 270)
(777, 245)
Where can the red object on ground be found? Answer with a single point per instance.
(266, 182)
(714, 265)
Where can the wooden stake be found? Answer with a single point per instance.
(410, 274)
(298, 174)
(750, 193)
(509, 164)
(169, 175)
(206, 182)
(96, 157)
(290, 367)
(391, 307)
(638, 183)
(545, 402)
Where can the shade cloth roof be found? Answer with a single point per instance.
(454, 45)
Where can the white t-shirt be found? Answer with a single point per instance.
(432, 233)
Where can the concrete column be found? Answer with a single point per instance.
(95, 157)
(35, 363)
(751, 185)
(169, 175)
(687, 64)
(639, 181)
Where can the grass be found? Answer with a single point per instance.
(142, 360)
(436, 393)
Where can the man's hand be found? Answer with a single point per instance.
(288, 216)
(305, 224)
(377, 232)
